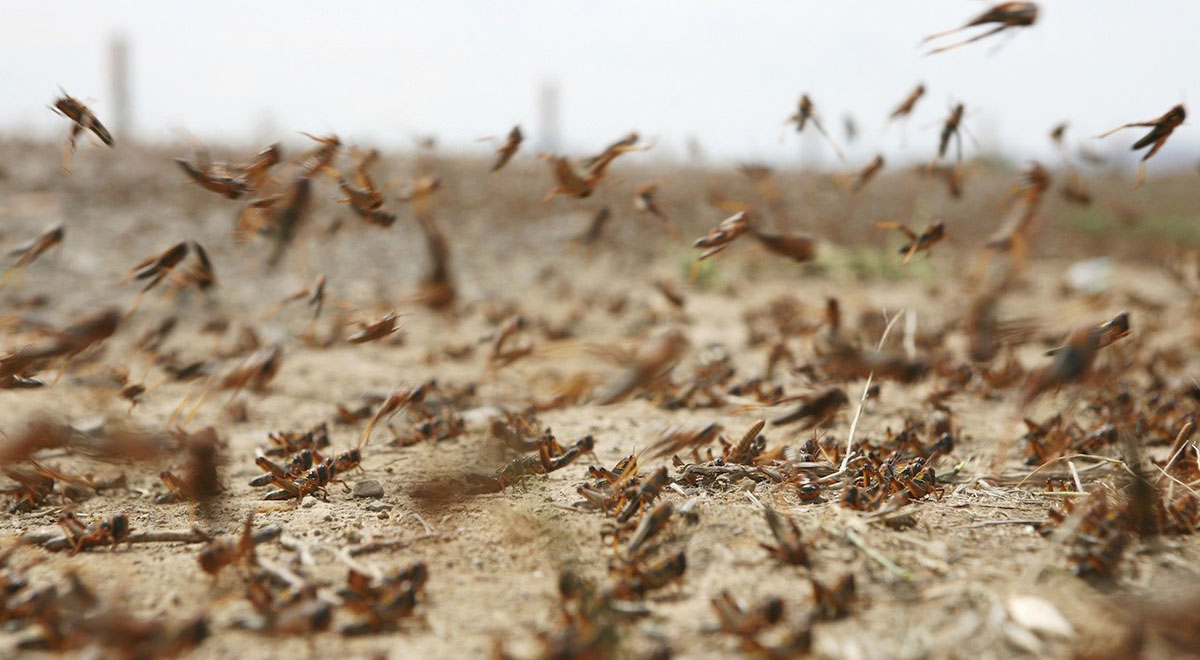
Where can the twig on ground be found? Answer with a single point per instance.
(891, 566)
(429, 530)
(862, 401)
(55, 541)
(389, 544)
(1001, 521)
(1075, 476)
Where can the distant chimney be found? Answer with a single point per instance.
(549, 136)
(118, 72)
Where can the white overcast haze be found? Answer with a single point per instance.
(727, 73)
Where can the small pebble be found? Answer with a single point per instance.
(379, 506)
(368, 488)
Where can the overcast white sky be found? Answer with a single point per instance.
(726, 72)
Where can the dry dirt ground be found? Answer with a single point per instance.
(940, 588)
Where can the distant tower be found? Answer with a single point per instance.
(118, 72)
(549, 135)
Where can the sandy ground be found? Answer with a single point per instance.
(494, 559)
